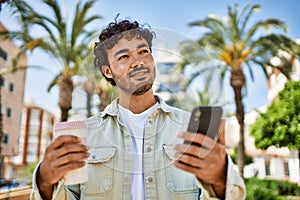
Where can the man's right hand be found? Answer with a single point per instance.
(65, 153)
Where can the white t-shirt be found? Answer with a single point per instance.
(135, 123)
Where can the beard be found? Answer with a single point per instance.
(134, 85)
(142, 90)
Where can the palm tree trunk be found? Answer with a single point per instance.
(88, 104)
(237, 81)
(89, 88)
(65, 97)
(104, 99)
(64, 115)
(240, 117)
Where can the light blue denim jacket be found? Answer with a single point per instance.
(111, 161)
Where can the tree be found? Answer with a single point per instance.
(235, 45)
(280, 124)
(105, 92)
(24, 9)
(95, 83)
(69, 47)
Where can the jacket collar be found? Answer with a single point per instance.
(112, 109)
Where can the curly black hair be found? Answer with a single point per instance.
(110, 36)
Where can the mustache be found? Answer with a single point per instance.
(137, 69)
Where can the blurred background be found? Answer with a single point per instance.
(241, 55)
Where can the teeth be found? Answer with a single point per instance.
(139, 73)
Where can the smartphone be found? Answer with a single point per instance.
(206, 120)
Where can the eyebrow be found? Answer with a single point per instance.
(126, 50)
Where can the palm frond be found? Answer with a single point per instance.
(248, 15)
(262, 65)
(22, 10)
(265, 24)
(211, 23)
(233, 27)
(249, 67)
(54, 81)
(58, 22)
(53, 4)
(80, 20)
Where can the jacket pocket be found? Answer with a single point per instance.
(100, 170)
(178, 181)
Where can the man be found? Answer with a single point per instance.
(136, 148)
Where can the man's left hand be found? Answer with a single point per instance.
(207, 159)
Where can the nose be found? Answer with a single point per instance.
(136, 61)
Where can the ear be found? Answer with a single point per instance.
(107, 71)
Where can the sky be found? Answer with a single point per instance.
(169, 15)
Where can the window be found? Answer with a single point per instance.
(5, 138)
(8, 112)
(267, 167)
(286, 168)
(3, 54)
(11, 87)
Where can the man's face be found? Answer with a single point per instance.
(131, 66)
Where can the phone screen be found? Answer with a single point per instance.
(205, 120)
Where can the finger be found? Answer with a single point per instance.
(71, 166)
(193, 150)
(189, 160)
(187, 168)
(59, 141)
(56, 174)
(69, 148)
(200, 139)
(221, 132)
(71, 158)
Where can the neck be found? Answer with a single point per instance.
(137, 104)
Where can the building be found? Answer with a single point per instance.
(36, 134)
(12, 92)
(274, 163)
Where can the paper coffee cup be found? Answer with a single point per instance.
(78, 129)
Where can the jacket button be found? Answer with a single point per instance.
(148, 149)
(150, 179)
(93, 156)
(150, 121)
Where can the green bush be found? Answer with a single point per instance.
(286, 188)
(262, 189)
(28, 171)
(256, 192)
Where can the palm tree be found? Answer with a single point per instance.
(94, 84)
(22, 9)
(105, 92)
(69, 47)
(234, 45)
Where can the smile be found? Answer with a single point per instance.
(138, 73)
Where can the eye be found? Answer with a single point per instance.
(123, 57)
(144, 51)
